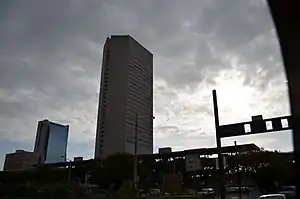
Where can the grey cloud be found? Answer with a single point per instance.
(169, 130)
(181, 142)
(206, 110)
(222, 28)
(233, 23)
(270, 141)
(165, 25)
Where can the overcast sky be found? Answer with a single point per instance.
(50, 61)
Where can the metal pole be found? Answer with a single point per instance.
(70, 169)
(239, 174)
(86, 178)
(135, 171)
(219, 148)
(174, 166)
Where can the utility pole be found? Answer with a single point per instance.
(70, 170)
(257, 125)
(218, 139)
(238, 173)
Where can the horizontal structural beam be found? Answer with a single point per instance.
(257, 126)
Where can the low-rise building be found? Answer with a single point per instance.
(20, 160)
(165, 150)
(78, 159)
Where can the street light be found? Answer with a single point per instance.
(70, 168)
(135, 171)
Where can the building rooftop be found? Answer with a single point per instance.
(200, 151)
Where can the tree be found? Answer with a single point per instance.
(268, 169)
(113, 171)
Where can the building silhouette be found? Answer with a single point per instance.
(126, 98)
(51, 141)
(20, 160)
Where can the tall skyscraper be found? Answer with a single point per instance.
(51, 141)
(126, 91)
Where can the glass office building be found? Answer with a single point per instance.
(51, 141)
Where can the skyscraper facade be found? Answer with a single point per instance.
(51, 141)
(126, 98)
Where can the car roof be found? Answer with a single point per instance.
(275, 194)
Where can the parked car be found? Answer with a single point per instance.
(154, 192)
(206, 192)
(149, 192)
(289, 192)
(236, 189)
(272, 196)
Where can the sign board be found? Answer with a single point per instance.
(257, 125)
(192, 163)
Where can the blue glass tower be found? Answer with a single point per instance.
(51, 141)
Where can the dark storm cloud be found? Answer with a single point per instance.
(173, 31)
(241, 29)
(234, 23)
(246, 31)
(48, 61)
